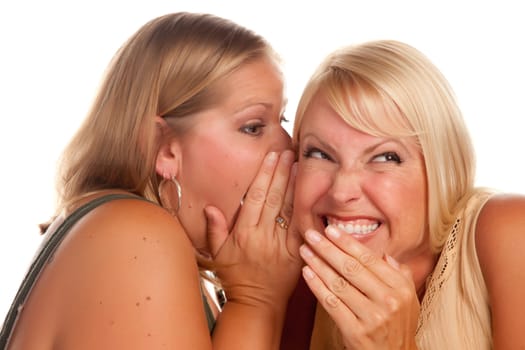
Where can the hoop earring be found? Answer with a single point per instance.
(167, 187)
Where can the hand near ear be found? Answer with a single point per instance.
(258, 261)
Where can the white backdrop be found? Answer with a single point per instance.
(53, 54)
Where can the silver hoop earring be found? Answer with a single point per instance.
(168, 188)
(179, 192)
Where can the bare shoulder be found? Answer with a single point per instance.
(130, 218)
(127, 267)
(500, 228)
(124, 226)
(503, 216)
(500, 244)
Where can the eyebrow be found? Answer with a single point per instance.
(368, 149)
(266, 105)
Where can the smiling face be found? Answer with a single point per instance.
(372, 187)
(223, 148)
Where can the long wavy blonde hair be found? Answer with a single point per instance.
(388, 88)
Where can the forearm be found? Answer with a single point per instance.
(249, 326)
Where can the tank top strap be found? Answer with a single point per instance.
(45, 252)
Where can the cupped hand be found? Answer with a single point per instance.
(372, 299)
(258, 261)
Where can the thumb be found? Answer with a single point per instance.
(216, 228)
(405, 270)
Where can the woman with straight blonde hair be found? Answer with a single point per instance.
(402, 251)
(181, 169)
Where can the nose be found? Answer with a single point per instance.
(346, 186)
(283, 140)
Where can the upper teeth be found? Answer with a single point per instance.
(356, 228)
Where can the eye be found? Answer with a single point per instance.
(387, 157)
(316, 153)
(254, 129)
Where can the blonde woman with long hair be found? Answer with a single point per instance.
(402, 250)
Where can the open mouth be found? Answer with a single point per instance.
(354, 227)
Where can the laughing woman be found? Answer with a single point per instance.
(402, 251)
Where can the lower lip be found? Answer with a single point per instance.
(364, 238)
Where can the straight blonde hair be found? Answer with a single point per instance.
(168, 68)
(388, 88)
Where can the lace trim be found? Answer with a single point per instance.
(440, 274)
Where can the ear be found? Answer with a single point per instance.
(169, 156)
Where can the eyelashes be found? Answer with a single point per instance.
(254, 129)
(316, 153)
(385, 157)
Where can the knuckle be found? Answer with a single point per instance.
(351, 267)
(339, 284)
(256, 195)
(377, 318)
(393, 304)
(331, 301)
(274, 199)
(367, 259)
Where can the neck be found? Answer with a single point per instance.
(422, 266)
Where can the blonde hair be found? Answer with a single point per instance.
(388, 88)
(168, 68)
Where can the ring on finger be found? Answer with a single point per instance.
(281, 222)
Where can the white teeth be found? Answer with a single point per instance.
(357, 228)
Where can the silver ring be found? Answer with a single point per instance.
(282, 222)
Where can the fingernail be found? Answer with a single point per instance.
(305, 252)
(308, 273)
(332, 232)
(312, 236)
(271, 158)
(391, 261)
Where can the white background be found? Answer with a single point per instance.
(53, 53)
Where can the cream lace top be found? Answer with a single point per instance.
(455, 312)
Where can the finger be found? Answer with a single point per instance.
(294, 238)
(277, 192)
(287, 207)
(216, 228)
(344, 317)
(354, 263)
(327, 299)
(334, 284)
(255, 198)
(387, 272)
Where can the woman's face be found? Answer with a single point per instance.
(224, 148)
(372, 187)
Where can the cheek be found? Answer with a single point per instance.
(310, 186)
(234, 174)
(404, 202)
